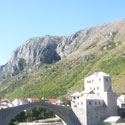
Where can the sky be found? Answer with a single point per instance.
(24, 19)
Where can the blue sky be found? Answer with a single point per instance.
(23, 19)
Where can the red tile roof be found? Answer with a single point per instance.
(69, 98)
(35, 99)
(56, 101)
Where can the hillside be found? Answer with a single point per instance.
(53, 66)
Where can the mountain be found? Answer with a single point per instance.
(55, 66)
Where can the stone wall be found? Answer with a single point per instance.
(81, 115)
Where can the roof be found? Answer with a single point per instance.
(53, 100)
(87, 92)
(89, 97)
(69, 98)
(92, 96)
(122, 96)
(76, 94)
(112, 119)
(98, 74)
(5, 101)
(121, 99)
(84, 92)
(35, 99)
(23, 99)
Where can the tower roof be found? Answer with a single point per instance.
(92, 97)
(76, 94)
(97, 74)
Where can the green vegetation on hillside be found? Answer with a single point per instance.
(65, 77)
(110, 45)
(114, 64)
(91, 45)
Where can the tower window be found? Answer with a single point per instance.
(89, 103)
(100, 80)
(88, 81)
(106, 80)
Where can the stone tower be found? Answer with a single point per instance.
(97, 101)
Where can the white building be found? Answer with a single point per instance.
(97, 101)
(17, 102)
(30, 100)
(5, 103)
(75, 97)
(121, 101)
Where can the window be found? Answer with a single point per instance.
(95, 103)
(123, 105)
(92, 80)
(81, 103)
(78, 103)
(89, 103)
(99, 102)
(106, 80)
(74, 98)
(88, 81)
(97, 88)
(100, 80)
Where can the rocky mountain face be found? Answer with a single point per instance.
(41, 50)
(47, 50)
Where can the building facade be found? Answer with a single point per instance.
(97, 101)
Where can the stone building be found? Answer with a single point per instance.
(97, 101)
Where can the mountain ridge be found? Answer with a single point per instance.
(83, 47)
